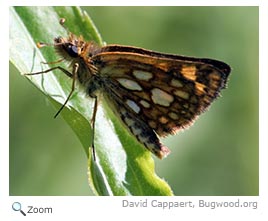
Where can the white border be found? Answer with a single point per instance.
(141, 3)
(107, 207)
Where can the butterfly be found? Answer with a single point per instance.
(154, 94)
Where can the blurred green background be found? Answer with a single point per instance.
(218, 155)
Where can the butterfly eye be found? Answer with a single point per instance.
(72, 50)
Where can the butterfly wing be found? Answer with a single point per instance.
(158, 93)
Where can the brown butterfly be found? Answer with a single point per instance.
(154, 94)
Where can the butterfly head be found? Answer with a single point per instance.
(71, 47)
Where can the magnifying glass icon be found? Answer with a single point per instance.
(16, 206)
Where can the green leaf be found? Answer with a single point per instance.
(122, 166)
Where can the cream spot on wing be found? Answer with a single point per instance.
(152, 124)
(161, 97)
(189, 72)
(181, 94)
(129, 84)
(129, 121)
(142, 75)
(173, 115)
(163, 120)
(136, 131)
(176, 83)
(133, 106)
(183, 112)
(186, 106)
(143, 140)
(144, 103)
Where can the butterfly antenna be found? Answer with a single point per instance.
(62, 21)
(43, 44)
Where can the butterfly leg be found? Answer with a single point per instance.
(93, 120)
(72, 75)
(52, 69)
